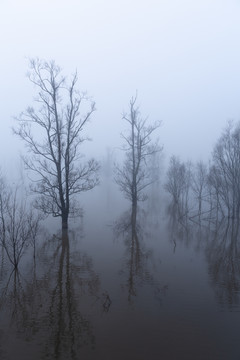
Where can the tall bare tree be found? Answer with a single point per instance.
(134, 176)
(225, 171)
(52, 131)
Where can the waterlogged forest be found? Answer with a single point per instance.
(131, 257)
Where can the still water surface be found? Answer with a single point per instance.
(94, 293)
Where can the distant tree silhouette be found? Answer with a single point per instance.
(214, 190)
(224, 175)
(200, 184)
(52, 132)
(18, 223)
(134, 176)
(175, 182)
(178, 184)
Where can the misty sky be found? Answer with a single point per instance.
(183, 58)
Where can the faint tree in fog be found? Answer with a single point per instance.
(187, 186)
(18, 224)
(175, 181)
(178, 183)
(225, 171)
(200, 184)
(134, 176)
(52, 131)
(4, 200)
(217, 206)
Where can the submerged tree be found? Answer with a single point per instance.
(200, 185)
(134, 176)
(178, 180)
(52, 131)
(175, 179)
(178, 185)
(18, 223)
(225, 171)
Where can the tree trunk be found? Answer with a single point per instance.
(134, 212)
(65, 220)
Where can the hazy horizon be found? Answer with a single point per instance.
(182, 58)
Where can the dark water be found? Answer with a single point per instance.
(94, 293)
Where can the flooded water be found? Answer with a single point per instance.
(102, 291)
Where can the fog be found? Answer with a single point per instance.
(181, 56)
(139, 257)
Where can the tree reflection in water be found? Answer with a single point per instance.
(223, 253)
(48, 305)
(178, 225)
(137, 257)
(220, 240)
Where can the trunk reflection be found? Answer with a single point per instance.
(50, 308)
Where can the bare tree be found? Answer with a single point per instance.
(4, 200)
(225, 171)
(176, 179)
(52, 131)
(216, 194)
(200, 184)
(178, 184)
(134, 176)
(18, 224)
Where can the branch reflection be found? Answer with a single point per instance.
(179, 226)
(223, 252)
(220, 241)
(50, 306)
(137, 257)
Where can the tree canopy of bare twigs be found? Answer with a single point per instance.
(134, 175)
(215, 189)
(178, 179)
(52, 132)
(18, 223)
(200, 184)
(224, 174)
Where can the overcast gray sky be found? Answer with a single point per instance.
(182, 56)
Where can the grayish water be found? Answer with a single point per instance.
(94, 294)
